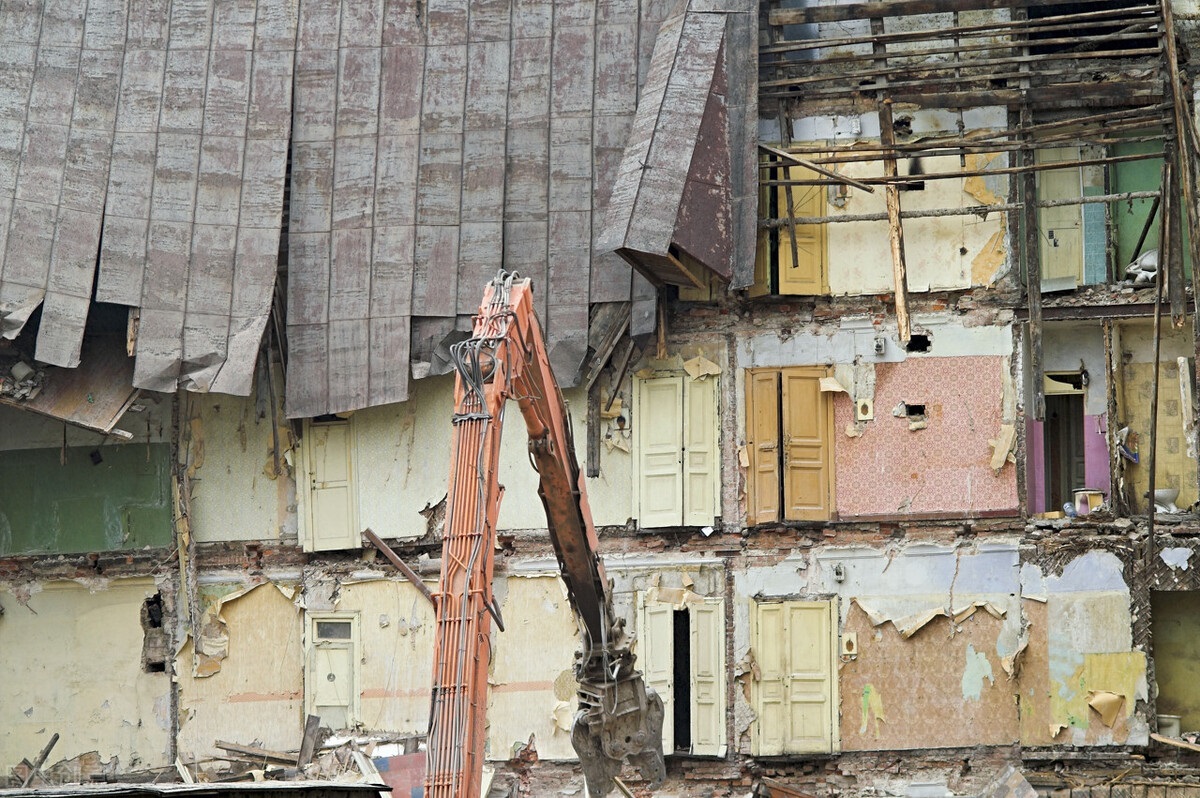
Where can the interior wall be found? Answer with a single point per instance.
(945, 467)
(258, 692)
(1174, 468)
(1175, 632)
(79, 674)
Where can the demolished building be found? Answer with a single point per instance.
(857, 305)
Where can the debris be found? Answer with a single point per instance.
(312, 727)
(35, 769)
(701, 367)
(23, 382)
(256, 754)
(184, 773)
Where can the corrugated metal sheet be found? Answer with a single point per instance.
(431, 143)
(678, 204)
(502, 126)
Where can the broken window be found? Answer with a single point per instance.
(677, 463)
(791, 258)
(331, 676)
(328, 489)
(794, 687)
(681, 651)
(789, 444)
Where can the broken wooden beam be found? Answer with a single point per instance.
(36, 768)
(776, 789)
(401, 566)
(887, 139)
(312, 726)
(795, 161)
(256, 754)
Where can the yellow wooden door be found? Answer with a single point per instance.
(806, 272)
(700, 452)
(794, 692)
(659, 427)
(1060, 228)
(762, 444)
(332, 509)
(807, 445)
(656, 658)
(707, 632)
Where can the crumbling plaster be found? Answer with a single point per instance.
(79, 674)
(1054, 640)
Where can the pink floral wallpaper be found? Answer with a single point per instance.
(890, 470)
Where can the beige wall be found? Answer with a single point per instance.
(402, 464)
(258, 692)
(941, 253)
(79, 674)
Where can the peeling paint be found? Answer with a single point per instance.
(976, 670)
(872, 707)
(1177, 558)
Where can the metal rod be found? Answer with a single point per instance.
(970, 210)
(401, 566)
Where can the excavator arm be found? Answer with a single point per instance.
(619, 718)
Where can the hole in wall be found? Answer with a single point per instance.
(912, 411)
(154, 637)
(919, 342)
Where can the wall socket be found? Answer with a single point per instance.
(849, 644)
(864, 410)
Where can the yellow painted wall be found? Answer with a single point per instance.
(79, 674)
(532, 669)
(258, 693)
(941, 253)
(1174, 468)
(402, 463)
(236, 494)
(396, 638)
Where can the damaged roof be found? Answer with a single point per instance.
(145, 149)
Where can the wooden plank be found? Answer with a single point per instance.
(390, 338)
(176, 169)
(1033, 277)
(895, 226)
(156, 364)
(307, 370)
(392, 271)
(354, 181)
(69, 287)
(255, 753)
(348, 362)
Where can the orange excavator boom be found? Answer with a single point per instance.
(619, 718)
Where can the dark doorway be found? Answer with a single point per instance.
(682, 700)
(1064, 449)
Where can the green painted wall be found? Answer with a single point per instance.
(122, 503)
(1175, 634)
(1130, 216)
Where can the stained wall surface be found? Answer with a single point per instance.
(258, 692)
(71, 657)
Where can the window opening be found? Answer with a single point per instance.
(682, 667)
